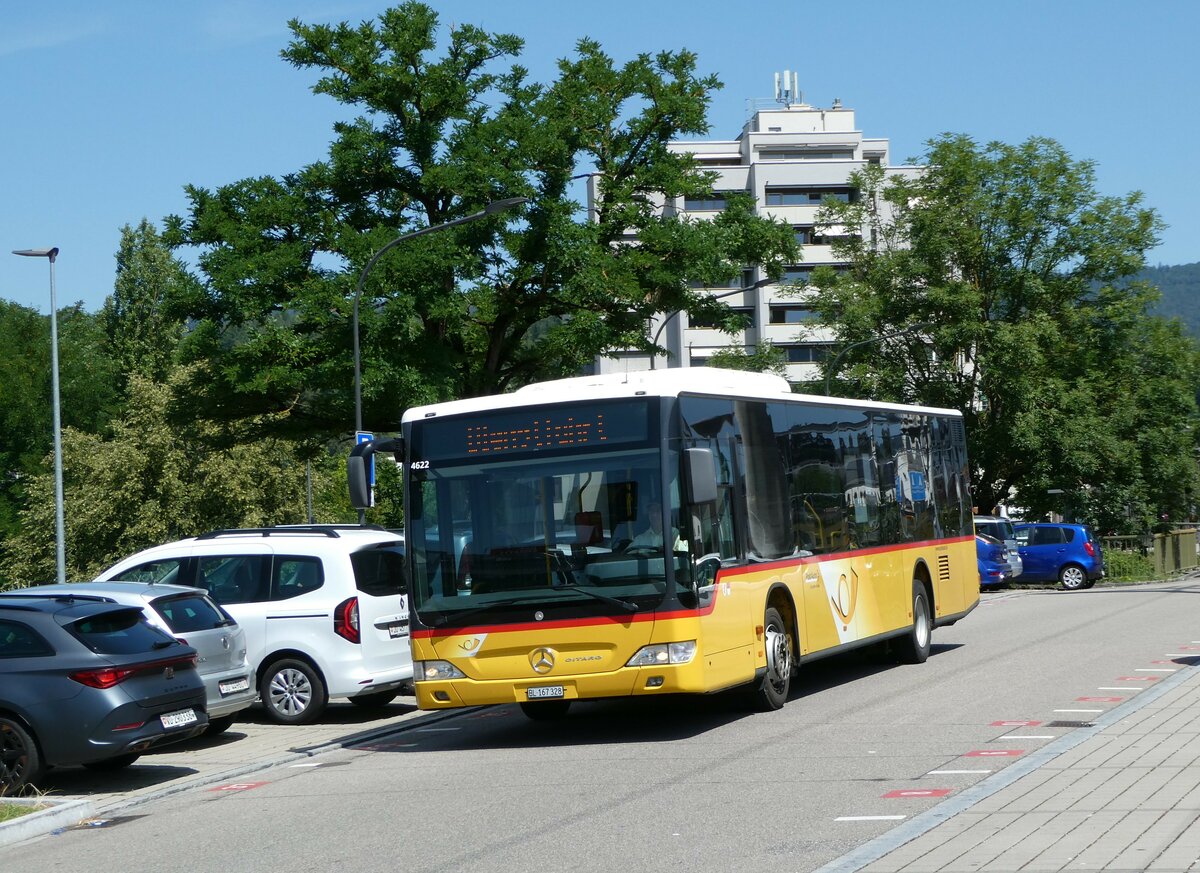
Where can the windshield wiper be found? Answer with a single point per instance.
(625, 605)
(477, 610)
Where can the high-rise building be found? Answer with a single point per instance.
(790, 156)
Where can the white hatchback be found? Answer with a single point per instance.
(324, 608)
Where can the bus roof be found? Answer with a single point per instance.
(654, 383)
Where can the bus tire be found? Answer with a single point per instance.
(545, 710)
(913, 647)
(771, 691)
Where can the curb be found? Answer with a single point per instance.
(67, 813)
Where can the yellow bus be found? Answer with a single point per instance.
(674, 531)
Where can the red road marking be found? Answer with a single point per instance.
(1099, 699)
(1164, 662)
(995, 753)
(1015, 723)
(1189, 648)
(919, 792)
(237, 786)
(1137, 678)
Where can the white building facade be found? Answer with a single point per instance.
(789, 156)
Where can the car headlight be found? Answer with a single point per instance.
(429, 671)
(663, 653)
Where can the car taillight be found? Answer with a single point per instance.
(1090, 549)
(105, 677)
(345, 620)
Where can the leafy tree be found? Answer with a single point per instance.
(142, 337)
(148, 482)
(1039, 335)
(483, 307)
(87, 396)
(764, 359)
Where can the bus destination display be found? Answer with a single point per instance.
(548, 428)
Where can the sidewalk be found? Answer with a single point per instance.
(1120, 795)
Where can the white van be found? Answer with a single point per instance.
(324, 608)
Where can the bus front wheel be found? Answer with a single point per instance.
(913, 647)
(771, 691)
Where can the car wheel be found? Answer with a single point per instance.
(217, 726)
(771, 691)
(913, 648)
(292, 692)
(374, 700)
(20, 761)
(120, 762)
(1072, 578)
(546, 710)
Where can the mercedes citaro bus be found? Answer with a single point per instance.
(673, 531)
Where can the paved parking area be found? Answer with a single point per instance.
(249, 744)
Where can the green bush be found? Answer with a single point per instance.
(1127, 566)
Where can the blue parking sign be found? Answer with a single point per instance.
(364, 436)
(916, 485)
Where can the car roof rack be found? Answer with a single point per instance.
(55, 595)
(314, 529)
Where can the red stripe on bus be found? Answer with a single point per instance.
(725, 573)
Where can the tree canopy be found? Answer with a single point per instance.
(483, 307)
(1037, 330)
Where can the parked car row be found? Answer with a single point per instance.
(1068, 554)
(182, 637)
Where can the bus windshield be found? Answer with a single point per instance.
(520, 536)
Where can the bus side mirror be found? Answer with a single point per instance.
(357, 477)
(358, 468)
(701, 471)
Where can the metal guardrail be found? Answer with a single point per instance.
(1171, 552)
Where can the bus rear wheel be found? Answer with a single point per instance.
(913, 647)
(771, 690)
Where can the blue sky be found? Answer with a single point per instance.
(110, 109)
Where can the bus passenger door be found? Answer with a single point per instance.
(726, 628)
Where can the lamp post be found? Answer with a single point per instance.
(662, 326)
(491, 209)
(833, 364)
(59, 527)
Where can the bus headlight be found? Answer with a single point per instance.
(428, 671)
(663, 653)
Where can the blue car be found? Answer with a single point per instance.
(992, 555)
(1064, 553)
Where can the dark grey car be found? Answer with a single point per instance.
(193, 618)
(83, 681)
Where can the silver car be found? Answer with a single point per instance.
(193, 617)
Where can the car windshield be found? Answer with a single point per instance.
(1000, 529)
(187, 613)
(568, 536)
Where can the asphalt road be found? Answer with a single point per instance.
(691, 784)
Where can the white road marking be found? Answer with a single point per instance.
(871, 818)
(1029, 737)
(956, 772)
(1156, 670)
(1118, 688)
(1079, 710)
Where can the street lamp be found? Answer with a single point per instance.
(492, 208)
(922, 325)
(658, 333)
(59, 527)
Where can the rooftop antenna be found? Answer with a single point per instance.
(787, 90)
